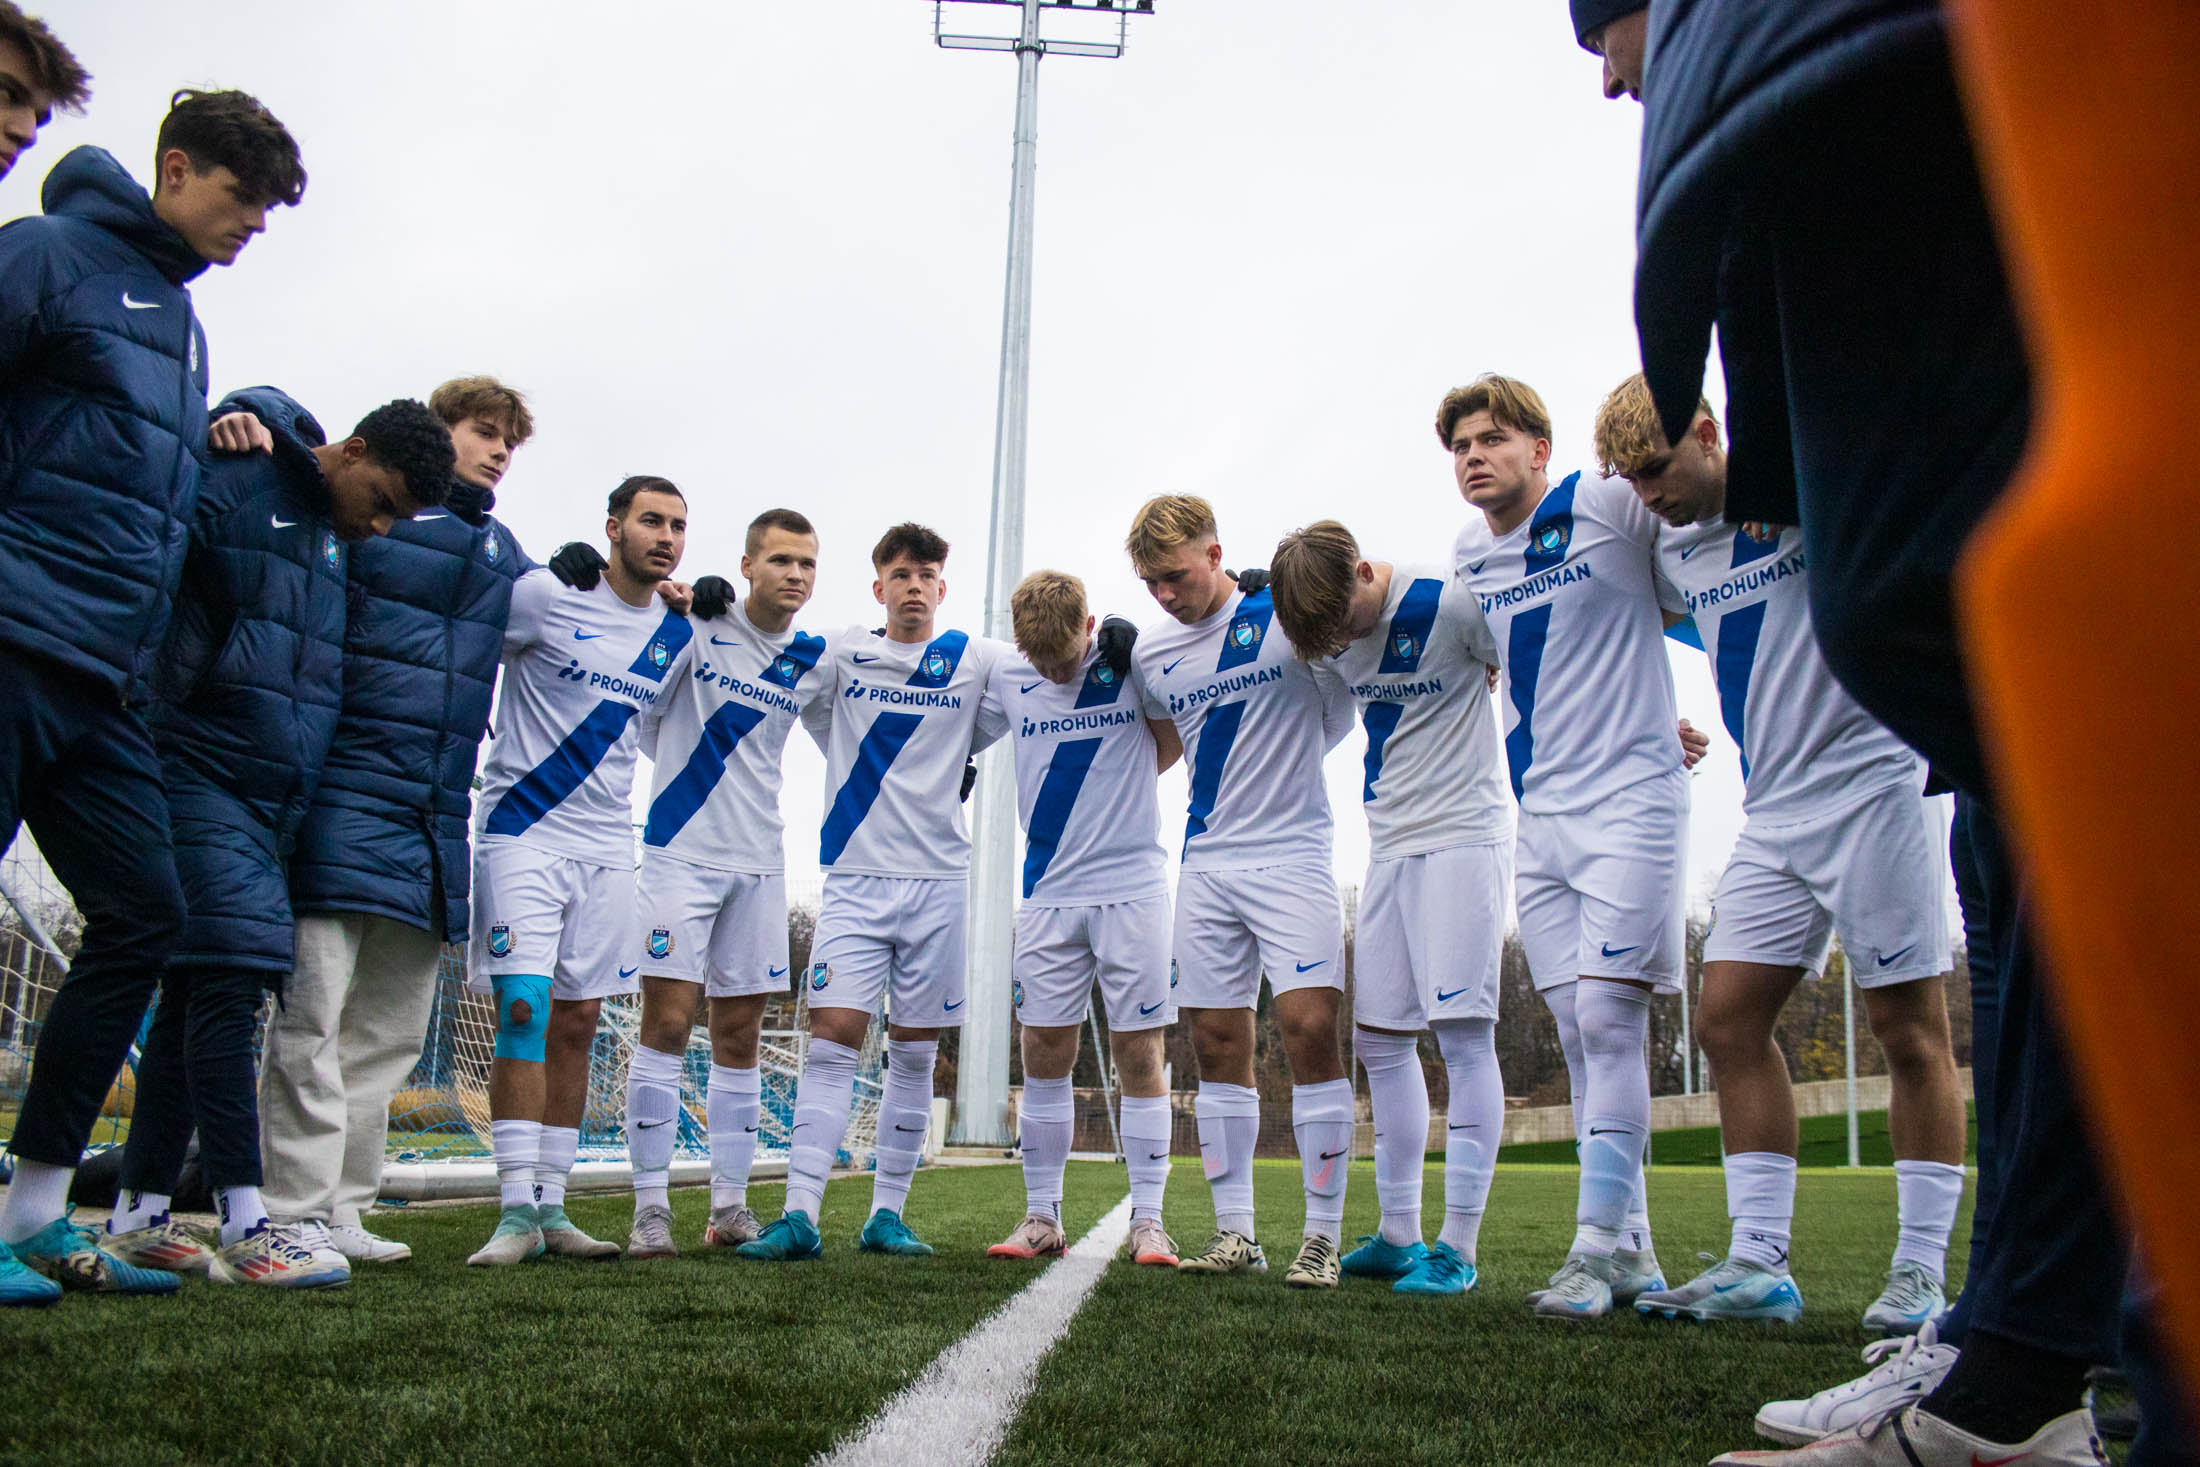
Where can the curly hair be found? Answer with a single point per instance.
(54, 67)
(232, 130)
(407, 436)
(1628, 434)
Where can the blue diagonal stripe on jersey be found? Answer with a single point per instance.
(874, 756)
(1523, 665)
(936, 664)
(1216, 734)
(667, 642)
(1686, 632)
(1737, 655)
(1065, 776)
(1103, 685)
(1410, 627)
(801, 655)
(1555, 513)
(1247, 630)
(1749, 547)
(1382, 721)
(670, 812)
(544, 787)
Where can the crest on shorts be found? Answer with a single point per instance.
(936, 664)
(660, 942)
(332, 553)
(1016, 992)
(820, 975)
(1245, 633)
(500, 940)
(1555, 535)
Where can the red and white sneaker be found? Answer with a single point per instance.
(162, 1243)
(273, 1255)
(1037, 1236)
(1150, 1244)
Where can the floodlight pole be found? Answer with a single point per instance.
(981, 1077)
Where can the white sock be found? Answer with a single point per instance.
(904, 1110)
(1474, 1124)
(1634, 1234)
(241, 1211)
(1615, 1024)
(1146, 1127)
(1760, 1198)
(652, 1123)
(733, 1108)
(38, 1196)
(1321, 1119)
(1229, 1125)
(822, 1099)
(518, 1146)
(1927, 1194)
(1397, 1095)
(1047, 1120)
(134, 1210)
(554, 1163)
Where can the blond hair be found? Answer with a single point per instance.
(1164, 524)
(1628, 432)
(1047, 610)
(1312, 578)
(487, 399)
(1511, 402)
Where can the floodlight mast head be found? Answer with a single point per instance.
(1122, 10)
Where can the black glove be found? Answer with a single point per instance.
(970, 777)
(578, 564)
(1253, 581)
(713, 597)
(1115, 641)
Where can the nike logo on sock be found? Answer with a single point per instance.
(650, 1125)
(748, 1130)
(1331, 1155)
(1157, 1156)
(1469, 1126)
(1607, 1130)
(900, 1127)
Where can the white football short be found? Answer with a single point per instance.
(894, 940)
(1430, 937)
(1600, 890)
(1233, 926)
(726, 930)
(537, 912)
(1871, 869)
(1061, 950)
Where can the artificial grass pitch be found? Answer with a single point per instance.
(705, 1357)
(1824, 1142)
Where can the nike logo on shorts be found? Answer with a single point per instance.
(1310, 967)
(1892, 958)
(775, 972)
(1147, 1008)
(948, 1008)
(1612, 952)
(628, 972)
(1443, 997)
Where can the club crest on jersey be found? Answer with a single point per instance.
(936, 664)
(1553, 538)
(660, 942)
(491, 551)
(1245, 633)
(500, 940)
(1405, 645)
(660, 656)
(332, 553)
(1104, 675)
(820, 975)
(786, 667)
(1016, 992)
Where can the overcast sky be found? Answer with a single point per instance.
(758, 248)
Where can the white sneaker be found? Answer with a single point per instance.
(1581, 1289)
(313, 1236)
(361, 1246)
(1904, 1370)
(1912, 1437)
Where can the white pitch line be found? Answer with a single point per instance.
(960, 1408)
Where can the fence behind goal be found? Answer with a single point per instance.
(439, 1120)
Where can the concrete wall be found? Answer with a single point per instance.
(1679, 1112)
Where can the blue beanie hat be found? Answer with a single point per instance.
(1591, 14)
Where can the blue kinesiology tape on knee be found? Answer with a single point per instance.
(521, 1038)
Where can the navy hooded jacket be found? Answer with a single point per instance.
(250, 680)
(387, 834)
(102, 423)
(1726, 78)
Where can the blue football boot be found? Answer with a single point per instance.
(887, 1233)
(1376, 1259)
(789, 1236)
(1441, 1270)
(21, 1284)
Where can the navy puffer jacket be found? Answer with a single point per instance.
(102, 423)
(387, 834)
(250, 681)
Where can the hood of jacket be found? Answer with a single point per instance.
(89, 184)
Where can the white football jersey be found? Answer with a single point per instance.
(1255, 722)
(718, 738)
(904, 717)
(1807, 746)
(1086, 790)
(579, 669)
(1435, 776)
(1573, 600)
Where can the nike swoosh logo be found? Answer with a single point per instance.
(723, 642)
(1331, 1155)
(283, 524)
(628, 972)
(900, 1127)
(1310, 967)
(1443, 997)
(859, 657)
(1157, 1156)
(581, 636)
(948, 1008)
(1476, 568)
(775, 972)
(1467, 1126)
(1613, 952)
(1892, 958)
(1691, 550)
(1169, 667)
(131, 305)
(1027, 687)
(1147, 1008)
(1607, 1131)
(1730, 1288)
(749, 1130)
(650, 1125)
